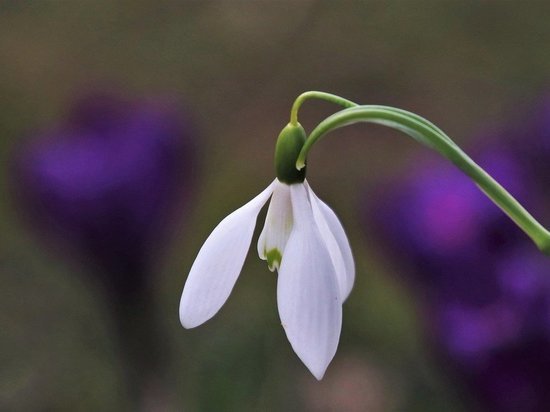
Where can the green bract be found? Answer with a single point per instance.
(289, 144)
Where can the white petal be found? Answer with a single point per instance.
(337, 243)
(308, 295)
(219, 263)
(278, 224)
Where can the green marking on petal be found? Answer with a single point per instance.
(274, 257)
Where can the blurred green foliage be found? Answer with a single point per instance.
(238, 65)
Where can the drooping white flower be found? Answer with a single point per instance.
(304, 240)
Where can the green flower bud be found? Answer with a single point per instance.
(288, 147)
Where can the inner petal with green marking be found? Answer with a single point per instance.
(277, 228)
(274, 257)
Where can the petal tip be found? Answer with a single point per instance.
(190, 318)
(317, 367)
(187, 325)
(187, 322)
(318, 373)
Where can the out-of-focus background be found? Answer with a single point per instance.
(129, 130)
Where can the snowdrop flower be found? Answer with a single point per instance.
(303, 239)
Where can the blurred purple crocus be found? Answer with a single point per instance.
(108, 181)
(486, 290)
(439, 222)
(107, 184)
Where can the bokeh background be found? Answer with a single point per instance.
(89, 324)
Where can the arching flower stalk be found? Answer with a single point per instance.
(304, 240)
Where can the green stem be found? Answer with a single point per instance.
(316, 95)
(428, 134)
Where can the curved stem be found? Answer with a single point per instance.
(425, 132)
(316, 95)
(329, 97)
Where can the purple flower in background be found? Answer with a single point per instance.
(107, 184)
(502, 349)
(441, 224)
(108, 181)
(487, 291)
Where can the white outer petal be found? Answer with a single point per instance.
(278, 222)
(337, 243)
(308, 295)
(219, 263)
